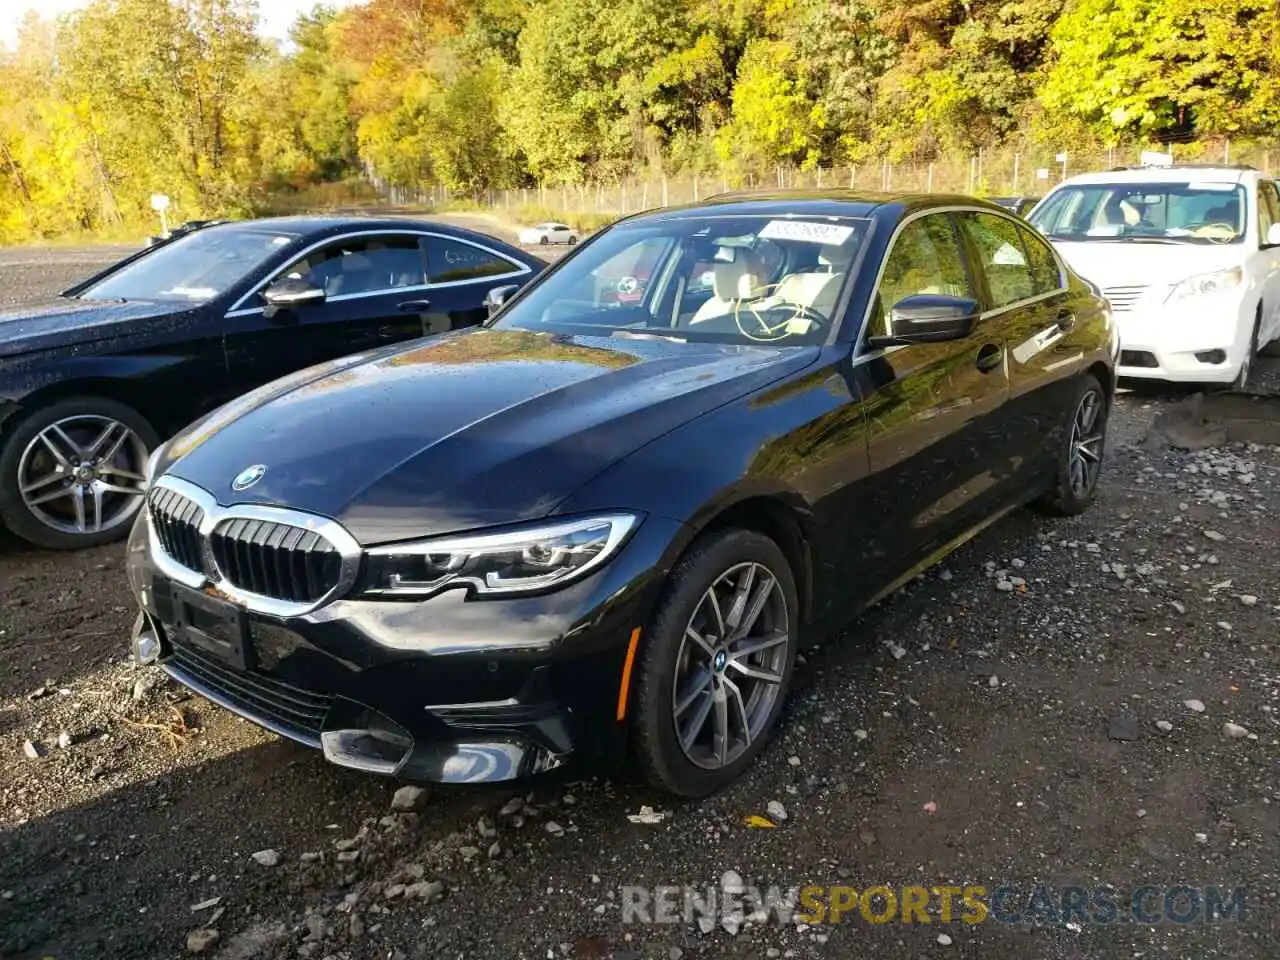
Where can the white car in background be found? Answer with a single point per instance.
(544, 233)
(1189, 258)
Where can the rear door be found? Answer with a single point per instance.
(937, 444)
(1027, 299)
(374, 285)
(460, 274)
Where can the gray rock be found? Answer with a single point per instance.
(1195, 706)
(64, 740)
(554, 828)
(198, 941)
(266, 858)
(1248, 599)
(776, 811)
(1234, 731)
(1215, 536)
(428, 890)
(33, 749)
(1164, 726)
(1124, 727)
(407, 798)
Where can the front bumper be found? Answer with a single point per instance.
(1197, 343)
(444, 689)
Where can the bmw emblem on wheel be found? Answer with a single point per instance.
(247, 477)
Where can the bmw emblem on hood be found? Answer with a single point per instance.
(247, 477)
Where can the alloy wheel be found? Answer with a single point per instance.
(731, 665)
(83, 474)
(1086, 444)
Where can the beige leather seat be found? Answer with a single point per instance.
(731, 283)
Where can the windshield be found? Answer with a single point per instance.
(1153, 212)
(740, 279)
(191, 269)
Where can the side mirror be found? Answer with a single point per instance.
(495, 298)
(929, 318)
(1273, 235)
(289, 293)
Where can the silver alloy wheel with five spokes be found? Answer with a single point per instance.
(83, 474)
(730, 665)
(1086, 444)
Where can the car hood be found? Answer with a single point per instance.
(67, 322)
(466, 430)
(1127, 263)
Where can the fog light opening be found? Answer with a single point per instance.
(1212, 356)
(146, 643)
(379, 745)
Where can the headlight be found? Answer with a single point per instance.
(524, 560)
(153, 461)
(1205, 284)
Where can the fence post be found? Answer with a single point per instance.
(624, 197)
(889, 182)
(695, 188)
(929, 182)
(1266, 162)
(978, 182)
(819, 184)
(1016, 158)
(664, 189)
(973, 163)
(853, 175)
(1226, 152)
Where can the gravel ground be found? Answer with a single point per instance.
(1017, 716)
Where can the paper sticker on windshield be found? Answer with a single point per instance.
(803, 230)
(1224, 187)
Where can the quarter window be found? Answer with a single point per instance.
(456, 261)
(925, 259)
(1045, 272)
(1001, 257)
(362, 265)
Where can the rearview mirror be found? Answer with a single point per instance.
(289, 293)
(929, 318)
(1273, 235)
(495, 298)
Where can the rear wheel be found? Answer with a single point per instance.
(72, 474)
(572, 240)
(543, 241)
(716, 664)
(1080, 455)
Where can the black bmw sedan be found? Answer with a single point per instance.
(91, 383)
(599, 525)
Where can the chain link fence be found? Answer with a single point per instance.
(1005, 171)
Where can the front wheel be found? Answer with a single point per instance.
(1080, 455)
(72, 474)
(716, 663)
(543, 241)
(572, 240)
(1246, 365)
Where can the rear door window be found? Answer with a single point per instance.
(456, 261)
(1001, 257)
(362, 265)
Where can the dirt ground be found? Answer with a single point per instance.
(1049, 706)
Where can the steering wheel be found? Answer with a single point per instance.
(766, 332)
(1215, 232)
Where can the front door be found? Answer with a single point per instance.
(374, 292)
(1268, 261)
(936, 439)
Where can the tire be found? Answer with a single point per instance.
(34, 453)
(543, 241)
(1246, 365)
(572, 240)
(721, 560)
(1067, 497)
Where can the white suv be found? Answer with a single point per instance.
(1189, 258)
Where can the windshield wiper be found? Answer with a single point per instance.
(634, 335)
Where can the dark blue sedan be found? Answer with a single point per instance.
(91, 383)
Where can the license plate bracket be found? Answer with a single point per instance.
(215, 626)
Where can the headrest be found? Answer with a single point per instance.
(738, 279)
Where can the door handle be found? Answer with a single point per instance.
(1066, 319)
(989, 357)
(413, 306)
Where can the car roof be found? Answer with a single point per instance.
(818, 203)
(1176, 174)
(321, 224)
